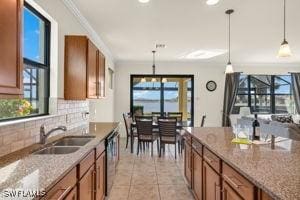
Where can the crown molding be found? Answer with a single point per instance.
(86, 25)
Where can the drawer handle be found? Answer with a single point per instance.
(209, 159)
(63, 195)
(232, 182)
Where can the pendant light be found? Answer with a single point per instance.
(164, 80)
(229, 68)
(284, 50)
(153, 67)
(143, 80)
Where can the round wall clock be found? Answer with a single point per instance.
(211, 86)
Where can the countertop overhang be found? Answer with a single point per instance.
(276, 171)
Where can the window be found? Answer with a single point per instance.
(162, 93)
(110, 78)
(265, 94)
(36, 48)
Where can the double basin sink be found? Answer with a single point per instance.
(66, 145)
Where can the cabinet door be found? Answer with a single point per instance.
(11, 60)
(229, 193)
(87, 184)
(75, 67)
(72, 195)
(92, 71)
(101, 74)
(187, 163)
(100, 177)
(211, 183)
(197, 175)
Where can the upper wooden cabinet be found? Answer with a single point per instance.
(84, 69)
(11, 60)
(75, 67)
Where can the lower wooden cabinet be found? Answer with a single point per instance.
(197, 175)
(211, 183)
(72, 195)
(188, 163)
(87, 185)
(100, 177)
(229, 193)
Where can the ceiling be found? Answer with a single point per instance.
(131, 29)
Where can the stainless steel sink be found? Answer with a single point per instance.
(57, 150)
(74, 141)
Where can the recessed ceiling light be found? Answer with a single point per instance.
(203, 54)
(144, 1)
(212, 2)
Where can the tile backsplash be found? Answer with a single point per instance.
(19, 135)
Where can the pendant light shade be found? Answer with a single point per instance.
(143, 80)
(229, 67)
(164, 80)
(153, 80)
(284, 50)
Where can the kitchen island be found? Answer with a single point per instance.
(215, 167)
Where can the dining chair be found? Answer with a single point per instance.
(129, 129)
(145, 133)
(167, 133)
(178, 115)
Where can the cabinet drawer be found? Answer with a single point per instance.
(86, 163)
(212, 160)
(241, 185)
(63, 187)
(100, 149)
(197, 146)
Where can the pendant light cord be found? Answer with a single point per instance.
(229, 40)
(153, 66)
(284, 19)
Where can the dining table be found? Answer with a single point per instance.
(179, 126)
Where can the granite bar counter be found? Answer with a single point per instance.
(276, 171)
(25, 171)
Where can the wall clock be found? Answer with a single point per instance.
(211, 86)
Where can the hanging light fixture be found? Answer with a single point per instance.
(153, 67)
(164, 80)
(284, 50)
(229, 68)
(143, 80)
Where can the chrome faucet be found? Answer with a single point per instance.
(44, 135)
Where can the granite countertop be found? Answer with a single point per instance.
(276, 171)
(25, 171)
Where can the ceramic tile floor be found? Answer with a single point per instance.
(149, 178)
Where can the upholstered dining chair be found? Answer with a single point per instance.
(168, 133)
(145, 133)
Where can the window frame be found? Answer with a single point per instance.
(272, 92)
(38, 65)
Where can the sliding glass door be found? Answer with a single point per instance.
(164, 94)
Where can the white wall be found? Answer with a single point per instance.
(209, 103)
(69, 24)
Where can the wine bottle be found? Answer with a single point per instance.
(256, 128)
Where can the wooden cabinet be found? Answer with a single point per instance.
(101, 75)
(84, 69)
(240, 185)
(263, 196)
(64, 189)
(87, 185)
(229, 193)
(72, 195)
(92, 66)
(100, 177)
(188, 163)
(11, 60)
(197, 175)
(75, 67)
(211, 183)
